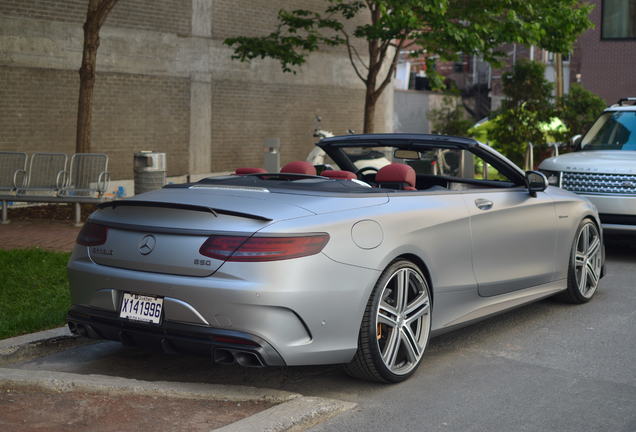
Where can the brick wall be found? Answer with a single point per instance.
(141, 112)
(231, 18)
(169, 16)
(606, 66)
(149, 106)
(252, 17)
(245, 114)
(131, 113)
(38, 109)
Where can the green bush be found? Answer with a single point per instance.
(578, 109)
(525, 109)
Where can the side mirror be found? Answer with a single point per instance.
(575, 141)
(536, 182)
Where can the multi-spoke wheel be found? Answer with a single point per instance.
(586, 262)
(395, 327)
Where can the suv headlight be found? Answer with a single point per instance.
(554, 177)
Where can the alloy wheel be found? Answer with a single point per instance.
(588, 258)
(403, 320)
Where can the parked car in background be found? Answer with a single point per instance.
(603, 166)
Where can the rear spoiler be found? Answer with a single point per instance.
(214, 211)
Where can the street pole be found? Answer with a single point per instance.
(558, 66)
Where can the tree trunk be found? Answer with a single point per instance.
(97, 12)
(87, 82)
(369, 110)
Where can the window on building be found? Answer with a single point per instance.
(619, 19)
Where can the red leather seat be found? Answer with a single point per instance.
(338, 174)
(299, 167)
(396, 176)
(247, 170)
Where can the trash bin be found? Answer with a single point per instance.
(150, 171)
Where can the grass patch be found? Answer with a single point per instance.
(34, 292)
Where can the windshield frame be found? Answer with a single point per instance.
(334, 146)
(605, 124)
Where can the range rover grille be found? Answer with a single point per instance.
(620, 184)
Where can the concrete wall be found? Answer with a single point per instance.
(166, 82)
(411, 109)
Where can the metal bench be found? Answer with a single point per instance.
(45, 175)
(12, 164)
(47, 180)
(88, 175)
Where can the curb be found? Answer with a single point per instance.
(296, 415)
(33, 345)
(294, 412)
(66, 382)
(15, 342)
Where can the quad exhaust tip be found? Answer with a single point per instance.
(242, 358)
(222, 356)
(84, 330)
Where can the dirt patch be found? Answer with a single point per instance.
(31, 409)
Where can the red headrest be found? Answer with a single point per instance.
(299, 167)
(340, 175)
(243, 171)
(397, 173)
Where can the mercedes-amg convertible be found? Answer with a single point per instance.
(395, 239)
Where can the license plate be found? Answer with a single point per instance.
(141, 308)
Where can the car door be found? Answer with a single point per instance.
(513, 239)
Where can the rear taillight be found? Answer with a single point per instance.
(92, 235)
(251, 249)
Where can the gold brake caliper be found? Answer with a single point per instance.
(378, 334)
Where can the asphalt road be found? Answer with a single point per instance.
(548, 366)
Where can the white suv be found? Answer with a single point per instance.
(603, 166)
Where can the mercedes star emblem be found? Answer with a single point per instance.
(147, 244)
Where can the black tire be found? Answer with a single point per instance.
(585, 267)
(411, 326)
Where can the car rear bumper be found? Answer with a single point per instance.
(222, 346)
(308, 311)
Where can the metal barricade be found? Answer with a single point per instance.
(88, 174)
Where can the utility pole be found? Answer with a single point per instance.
(558, 66)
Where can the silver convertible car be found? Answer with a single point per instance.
(359, 265)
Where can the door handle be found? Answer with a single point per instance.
(483, 204)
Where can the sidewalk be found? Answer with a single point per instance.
(50, 235)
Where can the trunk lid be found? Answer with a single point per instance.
(162, 231)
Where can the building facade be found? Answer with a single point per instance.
(604, 58)
(166, 82)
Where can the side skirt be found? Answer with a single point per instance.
(474, 308)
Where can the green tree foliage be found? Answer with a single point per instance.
(438, 28)
(450, 118)
(578, 109)
(525, 109)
